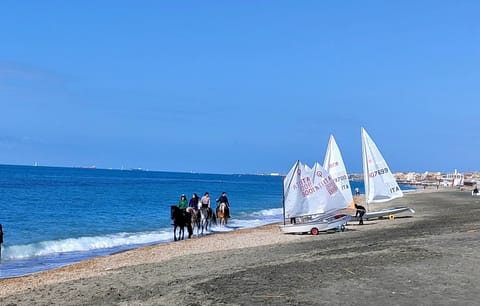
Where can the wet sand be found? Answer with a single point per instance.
(431, 258)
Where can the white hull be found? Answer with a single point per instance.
(384, 213)
(318, 225)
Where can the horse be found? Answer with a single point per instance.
(222, 213)
(180, 220)
(195, 221)
(207, 217)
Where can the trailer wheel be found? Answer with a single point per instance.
(314, 231)
(342, 228)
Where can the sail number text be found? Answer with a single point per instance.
(378, 172)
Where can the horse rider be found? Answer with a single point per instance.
(223, 199)
(183, 203)
(193, 203)
(205, 201)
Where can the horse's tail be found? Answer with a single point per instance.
(172, 211)
(214, 218)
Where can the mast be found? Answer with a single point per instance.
(283, 200)
(294, 169)
(365, 166)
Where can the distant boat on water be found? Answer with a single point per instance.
(89, 167)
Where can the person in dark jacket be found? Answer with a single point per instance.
(360, 212)
(223, 199)
(193, 203)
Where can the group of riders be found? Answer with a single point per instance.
(197, 203)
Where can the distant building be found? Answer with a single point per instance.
(452, 179)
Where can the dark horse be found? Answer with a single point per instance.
(180, 220)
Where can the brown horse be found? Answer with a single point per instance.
(222, 213)
(195, 218)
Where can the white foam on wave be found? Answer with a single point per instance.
(39, 256)
(83, 244)
(272, 212)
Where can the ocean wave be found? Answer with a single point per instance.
(267, 213)
(84, 244)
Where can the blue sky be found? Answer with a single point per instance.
(239, 86)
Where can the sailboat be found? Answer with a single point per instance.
(380, 184)
(312, 198)
(335, 166)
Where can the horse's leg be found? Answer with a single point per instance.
(213, 219)
(175, 233)
(190, 230)
(199, 221)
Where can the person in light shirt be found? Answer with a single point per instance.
(205, 200)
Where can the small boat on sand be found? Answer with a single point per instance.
(311, 201)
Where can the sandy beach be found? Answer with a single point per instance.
(431, 258)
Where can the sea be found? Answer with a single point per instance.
(54, 216)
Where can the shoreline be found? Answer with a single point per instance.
(119, 266)
(93, 262)
(98, 265)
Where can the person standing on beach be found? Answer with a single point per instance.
(1, 240)
(183, 204)
(205, 201)
(357, 191)
(360, 212)
(193, 203)
(223, 199)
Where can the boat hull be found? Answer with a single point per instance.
(387, 212)
(315, 226)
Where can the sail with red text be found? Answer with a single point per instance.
(335, 166)
(309, 191)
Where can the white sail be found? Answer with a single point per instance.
(309, 191)
(335, 166)
(380, 184)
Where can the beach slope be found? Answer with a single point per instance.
(430, 258)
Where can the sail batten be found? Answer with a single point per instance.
(380, 184)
